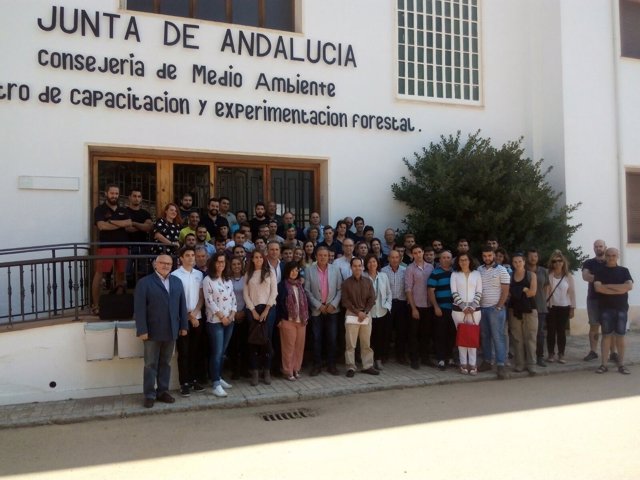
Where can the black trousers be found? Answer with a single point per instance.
(399, 317)
(192, 355)
(238, 351)
(198, 359)
(557, 319)
(182, 347)
(444, 335)
(420, 335)
(380, 336)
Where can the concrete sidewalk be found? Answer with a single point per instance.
(393, 376)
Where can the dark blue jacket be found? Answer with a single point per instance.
(157, 312)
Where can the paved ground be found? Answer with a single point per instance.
(541, 428)
(242, 394)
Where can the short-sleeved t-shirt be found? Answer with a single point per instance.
(213, 225)
(613, 276)
(594, 266)
(170, 231)
(104, 213)
(493, 278)
(440, 281)
(542, 280)
(138, 216)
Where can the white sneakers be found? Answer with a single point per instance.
(219, 391)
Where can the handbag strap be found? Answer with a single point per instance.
(554, 288)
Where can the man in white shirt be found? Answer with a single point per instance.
(191, 361)
(344, 262)
(495, 290)
(399, 313)
(273, 258)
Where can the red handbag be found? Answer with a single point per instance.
(468, 335)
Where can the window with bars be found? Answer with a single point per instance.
(274, 14)
(633, 207)
(439, 50)
(630, 28)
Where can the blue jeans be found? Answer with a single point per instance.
(157, 367)
(613, 321)
(593, 311)
(325, 327)
(492, 330)
(219, 337)
(255, 352)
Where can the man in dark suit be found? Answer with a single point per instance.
(160, 311)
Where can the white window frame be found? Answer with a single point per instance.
(429, 65)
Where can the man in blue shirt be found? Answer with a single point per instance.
(444, 330)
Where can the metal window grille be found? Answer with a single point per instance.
(439, 50)
(274, 14)
(633, 207)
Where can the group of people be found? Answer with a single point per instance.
(241, 278)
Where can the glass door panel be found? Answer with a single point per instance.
(244, 186)
(193, 179)
(294, 190)
(129, 175)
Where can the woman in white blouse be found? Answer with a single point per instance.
(380, 320)
(562, 304)
(466, 291)
(221, 304)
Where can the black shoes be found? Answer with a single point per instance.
(590, 356)
(185, 391)
(148, 402)
(164, 397)
(371, 371)
(485, 367)
(197, 388)
(350, 373)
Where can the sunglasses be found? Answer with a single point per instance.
(557, 260)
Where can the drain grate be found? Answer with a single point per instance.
(287, 415)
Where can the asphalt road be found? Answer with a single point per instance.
(570, 426)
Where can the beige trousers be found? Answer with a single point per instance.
(292, 336)
(353, 332)
(523, 339)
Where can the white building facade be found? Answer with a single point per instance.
(310, 103)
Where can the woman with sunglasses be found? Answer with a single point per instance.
(562, 303)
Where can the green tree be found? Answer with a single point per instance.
(472, 190)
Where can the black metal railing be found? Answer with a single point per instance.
(54, 281)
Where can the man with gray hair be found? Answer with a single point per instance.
(612, 283)
(323, 287)
(160, 312)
